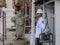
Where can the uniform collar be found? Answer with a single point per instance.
(40, 17)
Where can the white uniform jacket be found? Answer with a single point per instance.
(39, 27)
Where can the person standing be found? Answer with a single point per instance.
(40, 26)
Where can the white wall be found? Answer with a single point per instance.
(0, 25)
(49, 9)
(1, 21)
(50, 16)
(1, 29)
(9, 3)
(57, 22)
(9, 13)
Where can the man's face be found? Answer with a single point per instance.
(38, 15)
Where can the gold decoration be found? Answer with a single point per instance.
(4, 3)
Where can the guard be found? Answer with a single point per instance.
(40, 26)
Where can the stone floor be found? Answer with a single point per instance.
(11, 40)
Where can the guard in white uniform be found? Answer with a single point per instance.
(40, 26)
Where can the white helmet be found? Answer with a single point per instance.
(39, 11)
